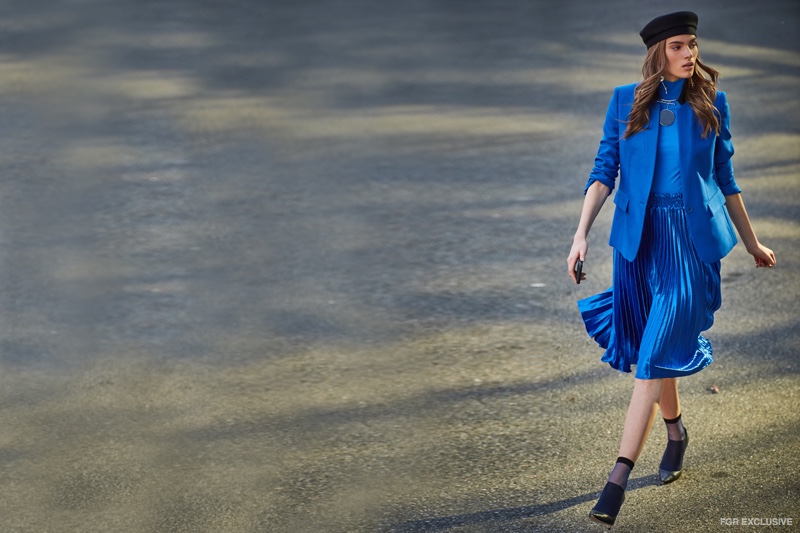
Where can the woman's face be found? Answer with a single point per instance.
(681, 56)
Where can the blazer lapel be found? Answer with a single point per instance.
(650, 139)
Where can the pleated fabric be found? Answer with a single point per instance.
(658, 304)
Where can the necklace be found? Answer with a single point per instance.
(667, 117)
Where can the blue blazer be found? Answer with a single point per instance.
(706, 175)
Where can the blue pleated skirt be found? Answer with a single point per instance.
(659, 303)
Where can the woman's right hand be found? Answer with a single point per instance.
(596, 195)
(578, 252)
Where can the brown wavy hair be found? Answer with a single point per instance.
(699, 91)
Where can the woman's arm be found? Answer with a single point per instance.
(600, 184)
(723, 152)
(763, 256)
(595, 197)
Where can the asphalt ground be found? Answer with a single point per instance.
(275, 266)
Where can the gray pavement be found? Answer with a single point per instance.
(276, 266)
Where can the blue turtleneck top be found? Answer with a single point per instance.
(667, 177)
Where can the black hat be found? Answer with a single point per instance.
(666, 26)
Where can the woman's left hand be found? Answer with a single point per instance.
(764, 256)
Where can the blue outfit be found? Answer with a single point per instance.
(706, 175)
(669, 232)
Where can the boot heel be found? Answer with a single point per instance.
(668, 475)
(607, 507)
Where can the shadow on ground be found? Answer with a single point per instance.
(283, 267)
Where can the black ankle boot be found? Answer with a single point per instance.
(607, 507)
(669, 470)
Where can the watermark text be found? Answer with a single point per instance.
(756, 521)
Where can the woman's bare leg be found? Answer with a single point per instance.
(670, 403)
(641, 414)
(638, 422)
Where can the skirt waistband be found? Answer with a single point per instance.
(665, 200)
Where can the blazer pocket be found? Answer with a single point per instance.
(715, 203)
(622, 201)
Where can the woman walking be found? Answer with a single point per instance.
(668, 140)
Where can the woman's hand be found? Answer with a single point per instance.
(578, 252)
(595, 196)
(764, 256)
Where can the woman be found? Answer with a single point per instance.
(668, 139)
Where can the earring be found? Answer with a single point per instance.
(664, 86)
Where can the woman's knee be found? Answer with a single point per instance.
(649, 388)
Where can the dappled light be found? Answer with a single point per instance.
(300, 267)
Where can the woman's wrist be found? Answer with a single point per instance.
(752, 246)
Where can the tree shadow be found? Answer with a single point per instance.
(500, 516)
(283, 174)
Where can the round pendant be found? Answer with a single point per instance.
(666, 118)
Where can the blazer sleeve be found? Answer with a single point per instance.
(723, 149)
(606, 163)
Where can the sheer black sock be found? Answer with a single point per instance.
(675, 430)
(619, 475)
(676, 445)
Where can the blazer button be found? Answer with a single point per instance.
(689, 209)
